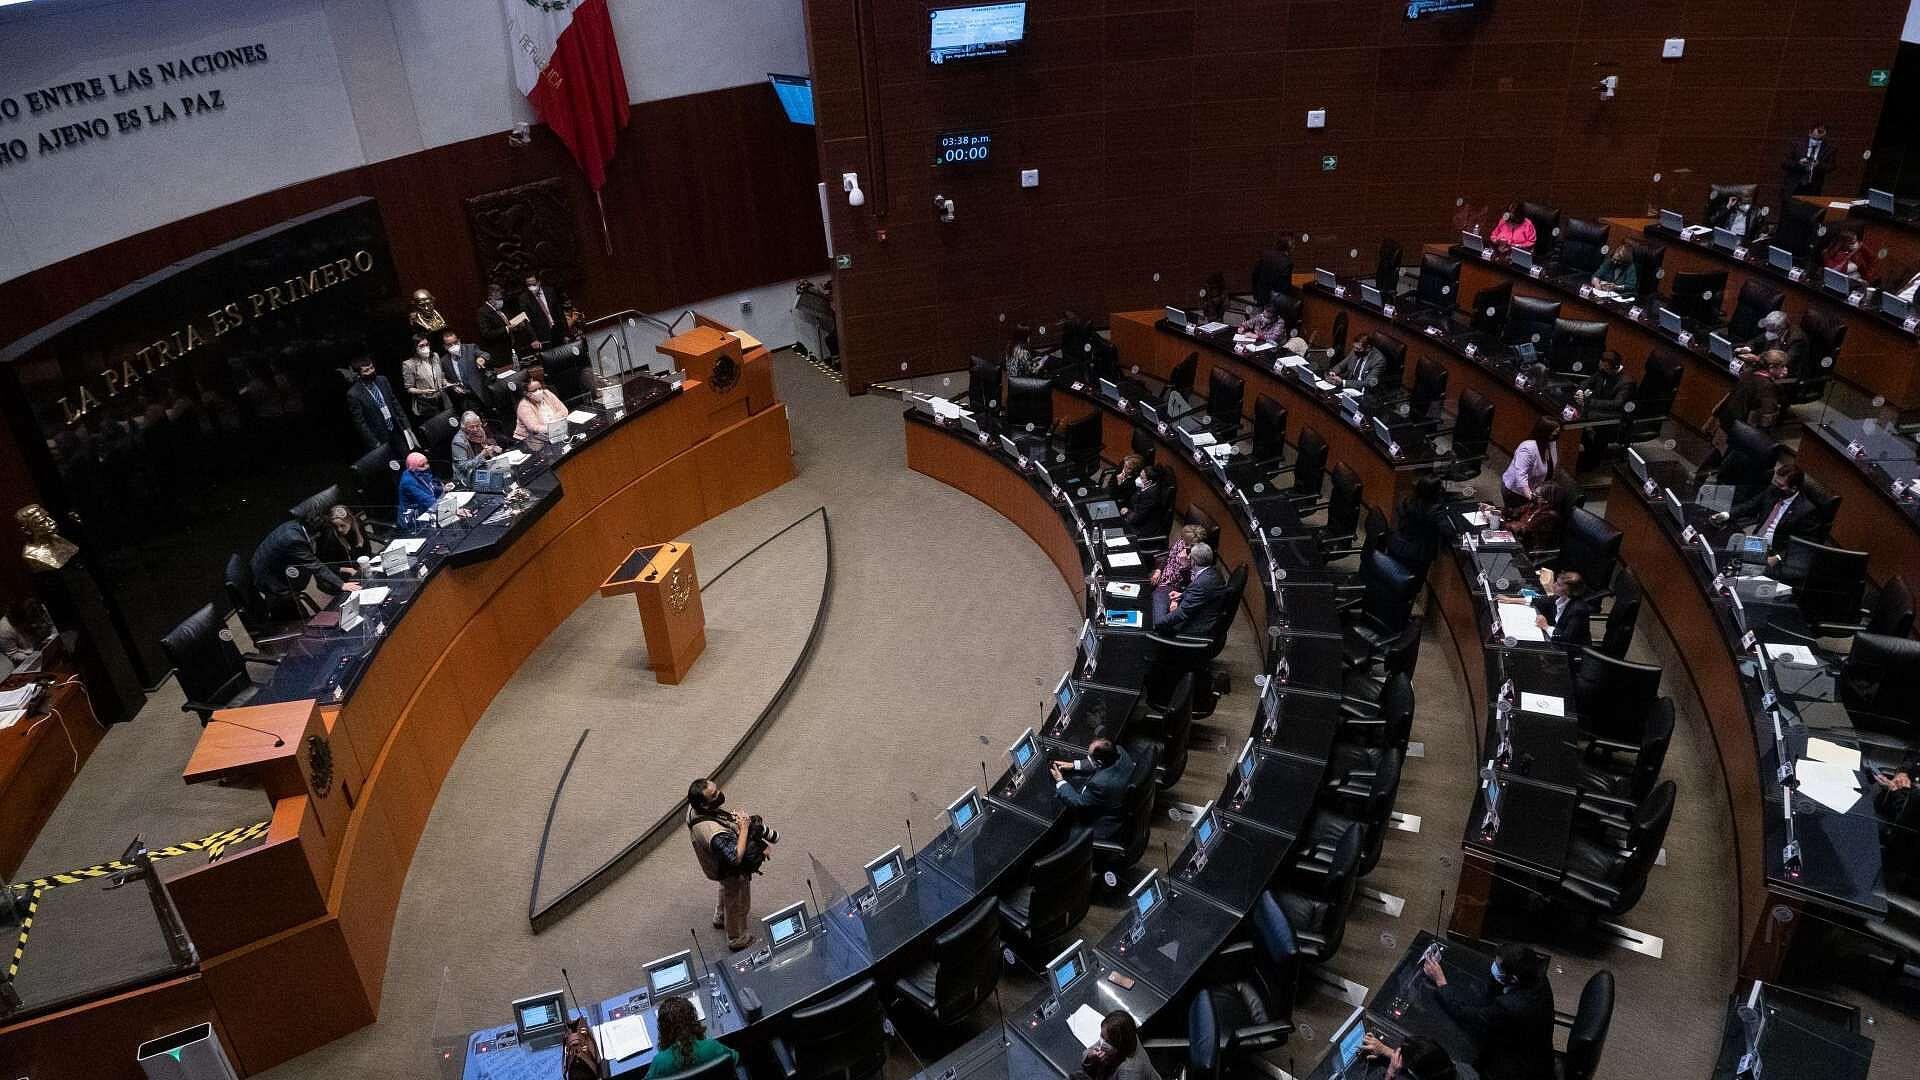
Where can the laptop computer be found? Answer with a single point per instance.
(1103, 510)
(1473, 241)
(1779, 258)
(1720, 346)
(1725, 239)
(1880, 200)
(1836, 280)
(1672, 220)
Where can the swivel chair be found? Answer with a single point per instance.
(1826, 332)
(843, 1037)
(1317, 903)
(436, 439)
(1798, 228)
(1648, 269)
(1472, 434)
(1286, 305)
(1622, 614)
(1577, 346)
(1167, 717)
(1582, 246)
(1610, 782)
(1386, 270)
(1590, 547)
(1196, 654)
(1429, 388)
(1309, 468)
(1750, 455)
(1880, 684)
(1345, 500)
(316, 505)
(1546, 229)
(1388, 589)
(1364, 689)
(1129, 843)
(1652, 401)
(983, 389)
(1490, 307)
(1226, 395)
(1530, 321)
(1393, 376)
(267, 619)
(1180, 379)
(1755, 298)
(1362, 802)
(1245, 1006)
(1080, 445)
(1052, 900)
(1606, 873)
(1699, 296)
(1029, 406)
(212, 672)
(961, 972)
(1613, 698)
(1269, 432)
(1586, 1029)
(1828, 582)
(1338, 343)
(1892, 611)
(1439, 285)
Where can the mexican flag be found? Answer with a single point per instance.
(565, 61)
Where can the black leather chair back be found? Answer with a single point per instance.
(1490, 308)
(1880, 683)
(1653, 751)
(1826, 333)
(1546, 228)
(1748, 464)
(1343, 881)
(1183, 373)
(1429, 386)
(1581, 245)
(1892, 613)
(238, 579)
(1344, 503)
(1615, 697)
(720, 1068)
(1396, 708)
(967, 961)
(1798, 228)
(1403, 656)
(1699, 295)
(1830, 582)
(210, 669)
(1592, 547)
(1278, 968)
(1623, 616)
(1062, 883)
(1136, 827)
(1143, 442)
(1588, 1035)
(1386, 272)
(1394, 374)
(316, 505)
(1339, 342)
(842, 1037)
(1577, 345)
(1287, 307)
(436, 439)
(1652, 400)
(1439, 280)
(983, 388)
(1080, 442)
(1473, 425)
(1390, 588)
(1530, 320)
(1756, 298)
(1826, 507)
(1269, 429)
(1226, 396)
(1648, 260)
(1176, 732)
(1029, 403)
(1309, 464)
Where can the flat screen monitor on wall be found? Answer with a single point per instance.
(1422, 8)
(980, 30)
(796, 96)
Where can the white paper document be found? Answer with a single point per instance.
(1204, 438)
(1832, 786)
(1117, 542)
(1516, 622)
(1085, 1024)
(1123, 558)
(1293, 361)
(513, 458)
(1797, 655)
(1476, 518)
(1128, 589)
(621, 1039)
(580, 416)
(411, 546)
(1544, 704)
(1833, 753)
(1322, 384)
(374, 596)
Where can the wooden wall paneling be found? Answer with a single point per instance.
(110, 1031)
(221, 904)
(275, 996)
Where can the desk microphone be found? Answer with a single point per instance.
(818, 912)
(910, 846)
(277, 740)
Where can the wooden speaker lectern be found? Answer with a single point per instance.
(662, 580)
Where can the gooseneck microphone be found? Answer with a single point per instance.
(277, 740)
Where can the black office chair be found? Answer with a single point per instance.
(1429, 388)
(1142, 441)
(436, 439)
(961, 972)
(1622, 614)
(841, 1038)
(1826, 332)
(1286, 307)
(1080, 445)
(1699, 296)
(1269, 431)
(1829, 583)
(1345, 500)
(1826, 507)
(1180, 379)
(1755, 298)
(1309, 468)
(1490, 308)
(1880, 683)
(1648, 260)
(1652, 402)
(1609, 779)
(1226, 396)
(1362, 801)
(1029, 406)
(1892, 611)
(1439, 285)
(1388, 589)
(1583, 246)
(267, 619)
(1613, 698)
(1606, 871)
(1586, 1030)
(1126, 847)
(1546, 229)
(1393, 376)
(1318, 902)
(1577, 345)
(1339, 342)
(316, 505)
(1167, 717)
(212, 672)
(720, 1068)
(377, 474)
(1798, 228)
(1386, 270)
(1245, 1006)
(983, 389)
(1363, 690)
(1052, 899)
(1530, 321)
(1749, 458)
(1589, 546)
(1472, 434)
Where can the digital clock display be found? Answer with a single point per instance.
(963, 148)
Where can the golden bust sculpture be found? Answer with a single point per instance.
(46, 549)
(425, 318)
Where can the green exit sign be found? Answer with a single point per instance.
(1877, 77)
(843, 262)
(1329, 163)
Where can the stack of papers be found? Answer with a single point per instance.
(581, 416)
(1085, 1025)
(1204, 438)
(374, 596)
(411, 545)
(1476, 518)
(1796, 655)
(1128, 589)
(1516, 622)
(15, 703)
(513, 458)
(1123, 559)
(1117, 542)
(1828, 783)
(623, 1038)
(1322, 384)
(1833, 753)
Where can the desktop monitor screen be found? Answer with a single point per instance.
(1720, 345)
(1245, 765)
(796, 96)
(1146, 895)
(1370, 293)
(787, 924)
(1067, 968)
(965, 33)
(1473, 241)
(1725, 238)
(1522, 258)
(1063, 696)
(1351, 1036)
(1837, 280)
(964, 811)
(540, 1015)
(886, 870)
(1204, 827)
(1670, 320)
(670, 973)
(1880, 200)
(1894, 306)
(1324, 277)
(1779, 258)
(1672, 220)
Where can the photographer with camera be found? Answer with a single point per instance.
(731, 849)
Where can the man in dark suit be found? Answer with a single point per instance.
(1150, 509)
(1808, 160)
(1196, 610)
(1607, 392)
(1099, 799)
(1362, 367)
(469, 372)
(285, 561)
(1273, 272)
(502, 330)
(1777, 512)
(376, 410)
(546, 312)
(1512, 1027)
(1565, 610)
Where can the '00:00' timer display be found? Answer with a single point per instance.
(964, 148)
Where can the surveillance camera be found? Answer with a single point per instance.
(1608, 87)
(521, 135)
(944, 206)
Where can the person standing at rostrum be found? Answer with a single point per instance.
(730, 848)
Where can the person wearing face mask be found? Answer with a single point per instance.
(1804, 170)
(1512, 1026)
(1776, 332)
(538, 406)
(1755, 398)
(1777, 512)
(1170, 578)
(1150, 510)
(502, 330)
(1361, 368)
(465, 368)
(730, 847)
(1095, 787)
(473, 446)
(1418, 1058)
(1120, 482)
(419, 489)
(286, 561)
(425, 383)
(1618, 273)
(1514, 230)
(1733, 213)
(375, 409)
(1564, 609)
(1849, 255)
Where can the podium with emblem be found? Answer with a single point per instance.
(663, 582)
(733, 369)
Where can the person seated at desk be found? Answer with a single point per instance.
(1361, 368)
(1540, 521)
(1565, 609)
(1418, 1058)
(1776, 332)
(1618, 273)
(1175, 571)
(345, 541)
(1118, 1053)
(286, 561)
(1513, 230)
(1733, 213)
(1264, 326)
(1201, 605)
(1512, 1029)
(1150, 509)
(538, 406)
(1910, 290)
(1777, 512)
(683, 1040)
(1893, 790)
(1533, 463)
(473, 447)
(1423, 525)
(1098, 799)
(419, 490)
(1847, 254)
(1119, 482)
(1755, 399)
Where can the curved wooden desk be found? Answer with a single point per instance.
(293, 934)
(1870, 518)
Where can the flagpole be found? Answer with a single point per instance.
(605, 235)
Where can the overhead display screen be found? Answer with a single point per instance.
(969, 33)
(963, 148)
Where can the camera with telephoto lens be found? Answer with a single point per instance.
(757, 830)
